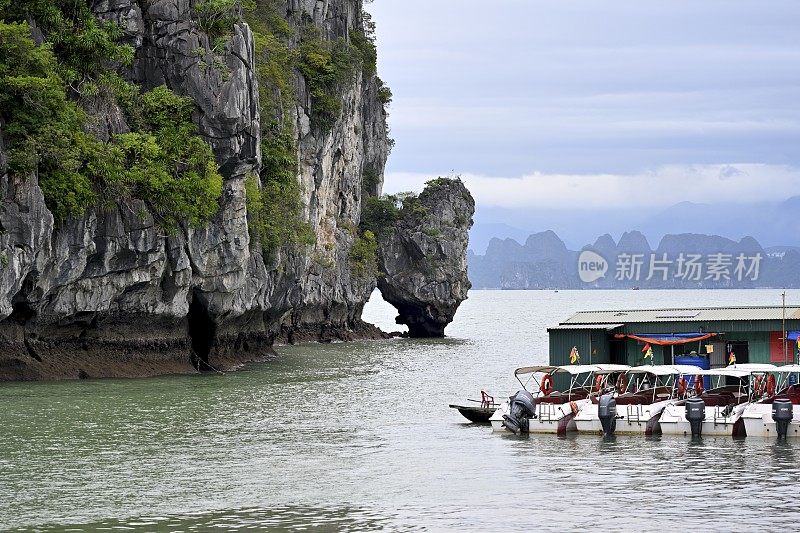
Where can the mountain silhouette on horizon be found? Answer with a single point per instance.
(771, 224)
(685, 260)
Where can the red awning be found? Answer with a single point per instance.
(668, 340)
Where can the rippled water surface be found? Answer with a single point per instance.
(359, 436)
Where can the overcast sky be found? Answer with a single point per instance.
(584, 102)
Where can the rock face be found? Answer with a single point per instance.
(423, 259)
(111, 295)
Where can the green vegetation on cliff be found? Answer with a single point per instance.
(47, 86)
(326, 66)
(364, 255)
(274, 207)
(274, 201)
(84, 47)
(217, 17)
(164, 162)
(43, 89)
(379, 214)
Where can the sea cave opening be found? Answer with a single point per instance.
(202, 330)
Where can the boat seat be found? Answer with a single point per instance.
(577, 395)
(794, 397)
(631, 399)
(793, 393)
(718, 399)
(556, 400)
(487, 400)
(562, 397)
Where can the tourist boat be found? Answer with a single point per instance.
(606, 382)
(725, 402)
(550, 410)
(757, 416)
(481, 412)
(642, 393)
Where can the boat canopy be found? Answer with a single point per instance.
(550, 369)
(607, 369)
(686, 369)
(788, 369)
(664, 370)
(754, 367)
(728, 371)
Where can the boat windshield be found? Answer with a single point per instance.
(651, 383)
(726, 386)
(533, 379)
(788, 379)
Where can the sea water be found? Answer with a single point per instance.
(358, 436)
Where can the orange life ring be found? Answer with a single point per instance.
(698, 385)
(598, 383)
(683, 386)
(622, 384)
(547, 384)
(771, 385)
(758, 388)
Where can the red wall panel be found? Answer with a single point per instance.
(776, 348)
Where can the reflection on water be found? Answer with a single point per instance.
(359, 436)
(278, 519)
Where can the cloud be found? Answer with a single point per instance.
(589, 87)
(657, 188)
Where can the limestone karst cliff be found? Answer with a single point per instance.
(183, 184)
(112, 292)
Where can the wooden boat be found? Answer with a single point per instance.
(480, 413)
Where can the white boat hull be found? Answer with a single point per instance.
(549, 418)
(673, 421)
(758, 421)
(631, 419)
(587, 421)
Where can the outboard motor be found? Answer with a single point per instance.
(782, 415)
(695, 414)
(607, 412)
(520, 410)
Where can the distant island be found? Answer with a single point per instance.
(681, 261)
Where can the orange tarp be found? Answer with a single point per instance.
(662, 342)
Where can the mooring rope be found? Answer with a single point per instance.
(202, 362)
(212, 368)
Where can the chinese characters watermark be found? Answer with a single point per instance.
(688, 267)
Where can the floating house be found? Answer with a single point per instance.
(712, 334)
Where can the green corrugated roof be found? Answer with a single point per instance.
(607, 327)
(689, 314)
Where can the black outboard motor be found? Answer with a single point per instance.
(520, 410)
(607, 412)
(695, 414)
(782, 415)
